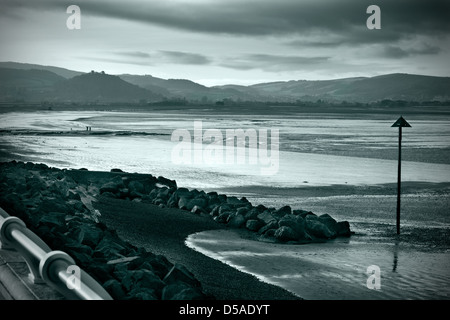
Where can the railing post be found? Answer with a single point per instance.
(15, 235)
(47, 266)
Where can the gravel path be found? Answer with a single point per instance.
(163, 231)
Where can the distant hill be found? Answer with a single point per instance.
(398, 87)
(391, 86)
(29, 82)
(65, 73)
(45, 86)
(27, 85)
(102, 87)
(182, 88)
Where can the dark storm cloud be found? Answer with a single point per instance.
(173, 57)
(184, 57)
(264, 17)
(275, 63)
(134, 54)
(396, 52)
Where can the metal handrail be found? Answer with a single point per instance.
(55, 268)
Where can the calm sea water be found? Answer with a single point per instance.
(315, 150)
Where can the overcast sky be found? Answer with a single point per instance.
(231, 41)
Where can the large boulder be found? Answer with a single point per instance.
(199, 201)
(285, 210)
(179, 273)
(114, 185)
(343, 229)
(296, 223)
(136, 187)
(223, 217)
(142, 278)
(236, 221)
(88, 233)
(252, 214)
(111, 246)
(234, 201)
(198, 210)
(179, 193)
(285, 234)
(164, 182)
(254, 224)
(327, 220)
(266, 216)
(272, 225)
(319, 230)
(115, 289)
(53, 220)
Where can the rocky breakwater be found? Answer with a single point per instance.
(268, 224)
(58, 206)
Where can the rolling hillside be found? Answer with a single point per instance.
(29, 82)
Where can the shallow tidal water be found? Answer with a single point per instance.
(315, 151)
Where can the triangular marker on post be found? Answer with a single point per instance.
(400, 123)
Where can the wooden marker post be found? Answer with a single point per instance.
(400, 123)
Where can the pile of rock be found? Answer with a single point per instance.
(58, 206)
(283, 224)
(59, 210)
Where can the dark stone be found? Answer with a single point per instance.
(179, 273)
(110, 246)
(182, 203)
(54, 204)
(236, 221)
(215, 211)
(327, 220)
(252, 214)
(318, 229)
(73, 195)
(269, 226)
(223, 217)
(199, 202)
(53, 219)
(142, 279)
(90, 234)
(343, 229)
(109, 195)
(181, 291)
(269, 233)
(198, 210)
(115, 289)
(113, 186)
(136, 186)
(225, 208)
(254, 224)
(296, 223)
(242, 211)
(283, 211)
(285, 233)
(266, 216)
(235, 201)
(167, 182)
